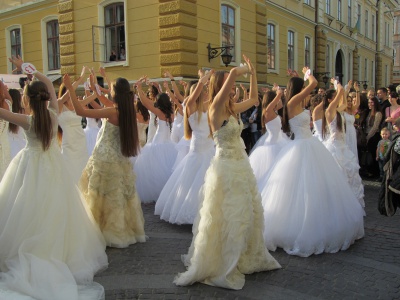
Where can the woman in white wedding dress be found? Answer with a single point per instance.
(15, 133)
(154, 164)
(336, 143)
(228, 231)
(5, 156)
(263, 156)
(353, 102)
(73, 145)
(50, 245)
(179, 200)
(310, 209)
(142, 117)
(108, 181)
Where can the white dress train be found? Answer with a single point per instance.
(264, 156)
(51, 247)
(179, 200)
(309, 207)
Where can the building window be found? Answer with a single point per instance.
(307, 51)
(290, 49)
(349, 13)
(366, 70)
(350, 66)
(308, 2)
(15, 39)
(339, 13)
(271, 46)
(328, 6)
(114, 23)
(366, 23)
(53, 45)
(373, 28)
(386, 75)
(327, 59)
(228, 28)
(359, 68)
(372, 74)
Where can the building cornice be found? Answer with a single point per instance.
(27, 8)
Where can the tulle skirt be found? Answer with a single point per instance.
(17, 142)
(227, 233)
(309, 207)
(91, 138)
(153, 167)
(51, 246)
(179, 199)
(182, 148)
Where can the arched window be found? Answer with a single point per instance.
(53, 45)
(291, 50)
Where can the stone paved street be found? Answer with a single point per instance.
(369, 269)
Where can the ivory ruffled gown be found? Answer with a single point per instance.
(346, 160)
(51, 246)
(108, 185)
(228, 231)
(179, 199)
(309, 207)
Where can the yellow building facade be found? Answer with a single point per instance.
(352, 40)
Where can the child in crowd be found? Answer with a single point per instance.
(381, 149)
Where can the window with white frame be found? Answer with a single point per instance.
(339, 13)
(14, 44)
(350, 66)
(328, 6)
(372, 73)
(308, 2)
(328, 59)
(373, 28)
(359, 68)
(291, 50)
(307, 51)
(366, 23)
(110, 37)
(366, 70)
(349, 16)
(53, 45)
(271, 44)
(228, 28)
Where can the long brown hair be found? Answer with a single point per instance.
(267, 99)
(16, 108)
(294, 86)
(329, 94)
(140, 108)
(128, 132)
(199, 108)
(42, 125)
(215, 85)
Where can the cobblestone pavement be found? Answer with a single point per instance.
(369, 269)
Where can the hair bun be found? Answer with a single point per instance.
(44, 96)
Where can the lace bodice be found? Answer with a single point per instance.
(108, 147)
(227, 140)
(273, 128)
(300, 125)
(163, 133)
(335, 134)
(33, 143)
(201, 131)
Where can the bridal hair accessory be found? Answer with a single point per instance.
(242, 65)
(307, 75)
(28, 68)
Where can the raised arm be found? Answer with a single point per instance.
(330, 112)
(253, 94)
(356, 100)
(297, 99)
(278, 97)
(178, 95)
(147, 102)
(191, 101)
(172, 97)
(80, 111)
(15, 118)
(103, 99)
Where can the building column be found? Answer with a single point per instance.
(356, 67)
(261, 43)
(320, 54)
(178, 35)
(66, 35)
